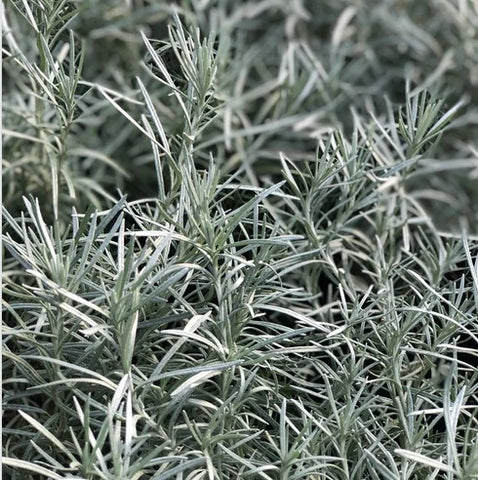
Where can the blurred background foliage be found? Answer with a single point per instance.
(288, 73)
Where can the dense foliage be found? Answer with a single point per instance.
(240, 239)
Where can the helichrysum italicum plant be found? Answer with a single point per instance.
(239, 240)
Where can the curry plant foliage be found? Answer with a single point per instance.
(240, 240)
